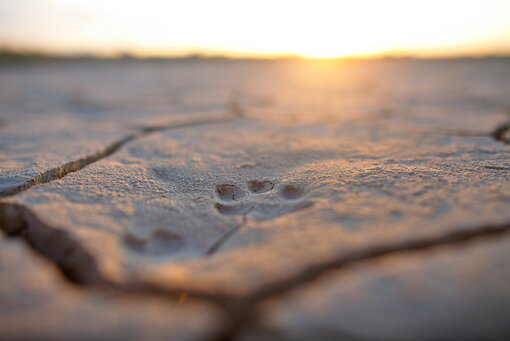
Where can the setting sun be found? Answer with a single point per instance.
(264, 28)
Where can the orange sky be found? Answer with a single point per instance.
(320, 28)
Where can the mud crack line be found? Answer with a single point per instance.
(226, 237)
(501, 133)
(76, 165)
(80, 267)
(245, 313)
(75, 262)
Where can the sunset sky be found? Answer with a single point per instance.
(318, 28)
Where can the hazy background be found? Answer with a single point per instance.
(261, 28)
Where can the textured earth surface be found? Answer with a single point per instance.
(214, 199)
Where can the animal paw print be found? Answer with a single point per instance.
(260, 200)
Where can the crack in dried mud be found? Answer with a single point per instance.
(496, 168)
(74, 261)
(80, 267)
(76, 165)
(245, 315)
(500, 133)
(226, 237)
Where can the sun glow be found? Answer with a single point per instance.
(319, 28)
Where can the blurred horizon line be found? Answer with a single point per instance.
(13, 54)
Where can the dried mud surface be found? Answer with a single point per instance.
(224, 200)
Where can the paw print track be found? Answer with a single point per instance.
(291, 192)
(239, 209)
(258, 187)
(262, 199)
(260, 202)
(227, 192)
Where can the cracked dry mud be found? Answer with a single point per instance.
(251, 200)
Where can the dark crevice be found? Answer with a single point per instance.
(497, 167)
(74, 261)
(245, 316)
(80, 267)
(76, 165)
(501, 133)
(69, 167)
(77, 265)
(375, 251)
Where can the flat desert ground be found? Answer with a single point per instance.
(210, 199)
